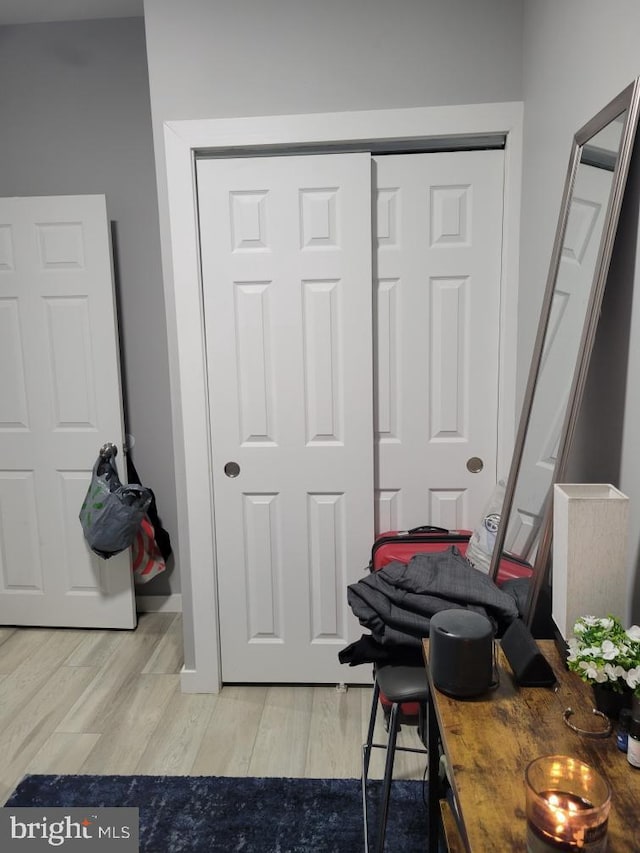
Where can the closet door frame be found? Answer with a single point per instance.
(184, 142)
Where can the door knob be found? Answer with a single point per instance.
(232, 469)
(475, 464)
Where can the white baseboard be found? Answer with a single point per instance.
(192, 681)
(159, 603)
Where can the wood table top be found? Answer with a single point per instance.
(488, 742)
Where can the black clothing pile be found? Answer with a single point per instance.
(397, 602)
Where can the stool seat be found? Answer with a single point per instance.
(403, 683)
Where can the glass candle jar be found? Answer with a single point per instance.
(568, 806)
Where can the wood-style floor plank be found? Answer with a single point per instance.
(116, 676)
(95, 648)
(335, 740)
(109, 702)
(131, 725)
(27, 677)
(5, 633)
(26, 733)
(283, 733)
(230, 736)
(175, 743)
(167, 656)
(62, 753)
(21, 645)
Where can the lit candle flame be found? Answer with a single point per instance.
(561, 812)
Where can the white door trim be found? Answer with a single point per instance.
(183, 298)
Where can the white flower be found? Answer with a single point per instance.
(633, 633)
(588, 667)
(633, 677)
(592, 671)
(609, 650)
(573, 649)
(598, 649)
(613, 673)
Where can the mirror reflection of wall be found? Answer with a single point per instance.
(570, 300)
(596, 454)
(593, 193)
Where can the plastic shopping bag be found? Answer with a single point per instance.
(111, 513)
(483, 538)
(147, 558)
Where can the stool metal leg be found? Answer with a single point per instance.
(366, 757)
(372, 725)
(388, 774)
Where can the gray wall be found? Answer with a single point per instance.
(250, 57)
(76, 119)
(579, 54)
(74, 101)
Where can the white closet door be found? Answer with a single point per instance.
(286, 264)
(438, 230)
(60, 400)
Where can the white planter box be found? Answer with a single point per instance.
(589, 576)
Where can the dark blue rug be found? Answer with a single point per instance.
(253, 815)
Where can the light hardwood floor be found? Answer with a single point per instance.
(76, 701)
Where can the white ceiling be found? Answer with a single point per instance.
(39, 11)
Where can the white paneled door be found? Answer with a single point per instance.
(438, 232)
(287, 295)
(291, 302)
(60, 400)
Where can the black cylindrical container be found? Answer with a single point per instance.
(633, 744)
(461, 652)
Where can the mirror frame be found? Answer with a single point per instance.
(627, 100)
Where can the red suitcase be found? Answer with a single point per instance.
(402, 545)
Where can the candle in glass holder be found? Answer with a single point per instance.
(567, 806)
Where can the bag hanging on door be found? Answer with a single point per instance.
(111, 513)
(147, 559)
(161, 536)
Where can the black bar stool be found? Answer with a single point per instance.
(400, 685)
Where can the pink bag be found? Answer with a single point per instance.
(147, 559)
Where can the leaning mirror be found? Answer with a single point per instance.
(591, 202)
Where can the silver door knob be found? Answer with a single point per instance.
(232, 469)
(475, 464)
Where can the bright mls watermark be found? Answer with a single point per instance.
(23, 830)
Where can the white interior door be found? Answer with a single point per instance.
(286, 264)
(438, 231)
(60, 400)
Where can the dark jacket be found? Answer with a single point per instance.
(396, 603)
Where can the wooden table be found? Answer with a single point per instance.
(489, 741)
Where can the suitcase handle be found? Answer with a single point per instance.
(428, 528)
